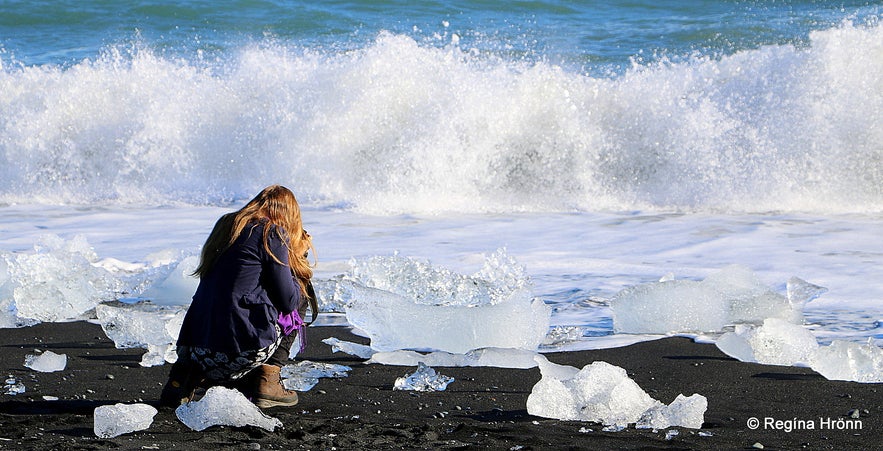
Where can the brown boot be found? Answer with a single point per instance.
(264, 385)
(184, 377)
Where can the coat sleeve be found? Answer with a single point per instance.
(284, 292)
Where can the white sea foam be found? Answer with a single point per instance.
(774, 128)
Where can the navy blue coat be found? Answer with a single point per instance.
(237, 304)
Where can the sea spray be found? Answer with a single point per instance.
(774, 128)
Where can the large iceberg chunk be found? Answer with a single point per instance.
(848, 361)
(143, 325)
(404, 304)
(47, 362)
(113, 420)
(603, 393)
(733, 295)
(776, 342)
(224, 407)
(58, 282)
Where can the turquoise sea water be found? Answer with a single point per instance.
(593, 35)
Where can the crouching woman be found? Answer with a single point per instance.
(254, 289)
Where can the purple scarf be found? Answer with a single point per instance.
(291, 323)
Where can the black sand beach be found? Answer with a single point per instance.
(484, 408)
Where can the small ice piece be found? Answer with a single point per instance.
(776, 342)
(224, 407)
(599, 392)
(113, 420)
(688, 412)
(671, 434)
(849, 361)
(603, 393)
(47, 362)
(733, 295)
(305, 374)
(13, 387)
(159, 354)
(348, 347)
(424, 379)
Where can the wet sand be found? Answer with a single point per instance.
(484, 408)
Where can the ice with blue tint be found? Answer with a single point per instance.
(304, 375)
(730, 296)
(118, 419)
(402, 303)
(47, 362)
(143, 325)
(222, 406)
(423, 379)
(603, 393)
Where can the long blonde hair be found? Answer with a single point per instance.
(277, 206)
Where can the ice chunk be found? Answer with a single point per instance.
(731, 296)
(684, 411)
(305, 374)
(395, 322)
(348, 347)
(776, 342)
(424, 379)
(59, 281)
(177, 287)
(111, 421)
(47, 362)
(424, 284)
(603, 393)
(495, 357)
(599, 392)
(404, 304)
(143, 325)
(13, 387)
(224, 407)
(159, 354)
(848, 361)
